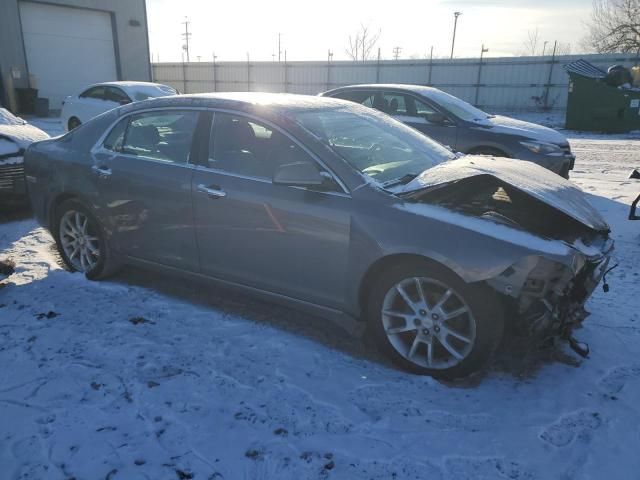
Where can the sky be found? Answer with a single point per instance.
(309, 29)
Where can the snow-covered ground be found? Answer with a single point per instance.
(142, 377)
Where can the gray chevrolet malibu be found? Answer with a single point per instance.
(463, 127)
(329, 206)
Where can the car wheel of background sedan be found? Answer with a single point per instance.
(73, 123)
(81, 241)
(429, 321)
(494, 152)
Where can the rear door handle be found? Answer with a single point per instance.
(212, 191)
(101, 171)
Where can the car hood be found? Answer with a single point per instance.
(22, 135)
(527, 177)
(511, 126)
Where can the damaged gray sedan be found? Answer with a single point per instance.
(331, 207)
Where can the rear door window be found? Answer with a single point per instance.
(165, 136)
(97, 93)
(117, 95)
(365, 97)
(395, 104)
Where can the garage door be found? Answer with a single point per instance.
(67, 49)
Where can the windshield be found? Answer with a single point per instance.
(374, 144)
(152, 91)
(459, 108)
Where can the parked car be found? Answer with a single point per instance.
(15, 136)
(330, 206)
(102, 97)
(463, 127)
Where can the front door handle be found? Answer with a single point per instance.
(212, 191)
(101, 171)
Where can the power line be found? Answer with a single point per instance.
(186, 36)
(396, 52)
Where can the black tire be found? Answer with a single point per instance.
(105, 265)
(73, 123)
(494, 152)
(485, 308)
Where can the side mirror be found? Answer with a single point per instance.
(298, 174)
(124, 101)
(437, 118)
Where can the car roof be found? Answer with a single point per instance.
(247, 101)
(419, 89)
(124, 84)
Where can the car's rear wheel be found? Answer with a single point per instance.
(73, 123)
(81, 241)
(429, 321)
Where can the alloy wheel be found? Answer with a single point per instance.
(79, 242)
(428, 323)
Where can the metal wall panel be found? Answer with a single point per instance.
(513, 83)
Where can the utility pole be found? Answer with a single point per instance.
(329, 58)
(396, 52)
(279, 46)
(215, 77)
(430, 66)
(544, 47)
(186, 35)
(455, 26)
(483, 50)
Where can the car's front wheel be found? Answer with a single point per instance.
(429, 321)
(81, 241)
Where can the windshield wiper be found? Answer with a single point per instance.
(400, 181)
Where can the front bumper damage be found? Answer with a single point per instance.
(546, 297)
(12, 183)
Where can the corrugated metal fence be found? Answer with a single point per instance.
(510, 83)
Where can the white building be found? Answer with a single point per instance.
(60, 46)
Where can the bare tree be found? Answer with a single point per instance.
(614, 26)
(362, 44)
(531, 43)
(563, 48)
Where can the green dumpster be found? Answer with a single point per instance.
(594, 105)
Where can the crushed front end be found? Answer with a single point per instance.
(547, 297)
(545, 293)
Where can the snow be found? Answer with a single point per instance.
(8, 118)
(147, 376)
(16, 129)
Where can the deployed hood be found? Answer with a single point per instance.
(527, 177)
(500, 124)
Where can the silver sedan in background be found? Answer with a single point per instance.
(328, 206)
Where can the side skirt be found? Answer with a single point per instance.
(344, 320)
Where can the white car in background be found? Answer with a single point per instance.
(102, 97)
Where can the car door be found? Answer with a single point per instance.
(93, 102)
(142, 174)
(288, 240)
(421, 116)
